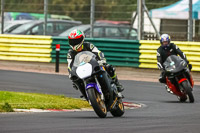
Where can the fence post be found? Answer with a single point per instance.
(45, 16)
(92, 10)
(190, 23)
(2, 16)
(139, 12)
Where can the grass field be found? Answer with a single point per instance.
(19, 100)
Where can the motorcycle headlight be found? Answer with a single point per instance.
(84, 71)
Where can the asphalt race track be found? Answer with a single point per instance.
(162, 113)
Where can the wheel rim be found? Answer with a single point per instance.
(121, 106)
(101, 103)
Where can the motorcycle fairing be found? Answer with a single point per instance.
(94, 85)
(174, 64)
(181, 80)
(191, 81)
(84, 70)
(173, 88)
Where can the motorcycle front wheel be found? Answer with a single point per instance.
(188, 90)
(182, 99)
(97, 103)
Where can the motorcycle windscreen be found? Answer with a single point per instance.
(174, 64)
(83, 57)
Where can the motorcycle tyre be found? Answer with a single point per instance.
(182, 99)
(95, 100)
(188, 90)
(119, 111)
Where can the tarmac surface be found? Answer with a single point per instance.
(162, 113)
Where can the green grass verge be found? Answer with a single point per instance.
(20, 100)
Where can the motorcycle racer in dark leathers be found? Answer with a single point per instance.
(166, 49)
(77, 44)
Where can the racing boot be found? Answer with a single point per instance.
(111, 71)
(118, 85)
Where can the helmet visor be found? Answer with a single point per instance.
(74, 42)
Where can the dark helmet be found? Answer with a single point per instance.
(166, 39)
(76, 38)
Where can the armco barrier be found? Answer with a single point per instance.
(25, 48)
(117, 52)
(148, 50)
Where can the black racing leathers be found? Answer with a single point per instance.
(163, 53)
(86, 46)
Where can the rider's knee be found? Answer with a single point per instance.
(162, 80)
(110, 69)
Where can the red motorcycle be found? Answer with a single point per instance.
(178, 78)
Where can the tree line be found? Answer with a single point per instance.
(119, 10)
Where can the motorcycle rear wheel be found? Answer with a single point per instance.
(188, 90)
(97, 103)
(119, 111)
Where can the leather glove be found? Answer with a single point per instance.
(101, 62)
(70, 76)
(190, 66)
(162, 70)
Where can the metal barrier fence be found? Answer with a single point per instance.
(43, 49)
(117, 52)
(167, 16)
(25, 48)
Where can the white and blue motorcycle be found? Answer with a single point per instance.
(101, 91)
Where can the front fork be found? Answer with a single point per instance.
(95, 85)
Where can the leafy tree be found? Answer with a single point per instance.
(80, 9)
